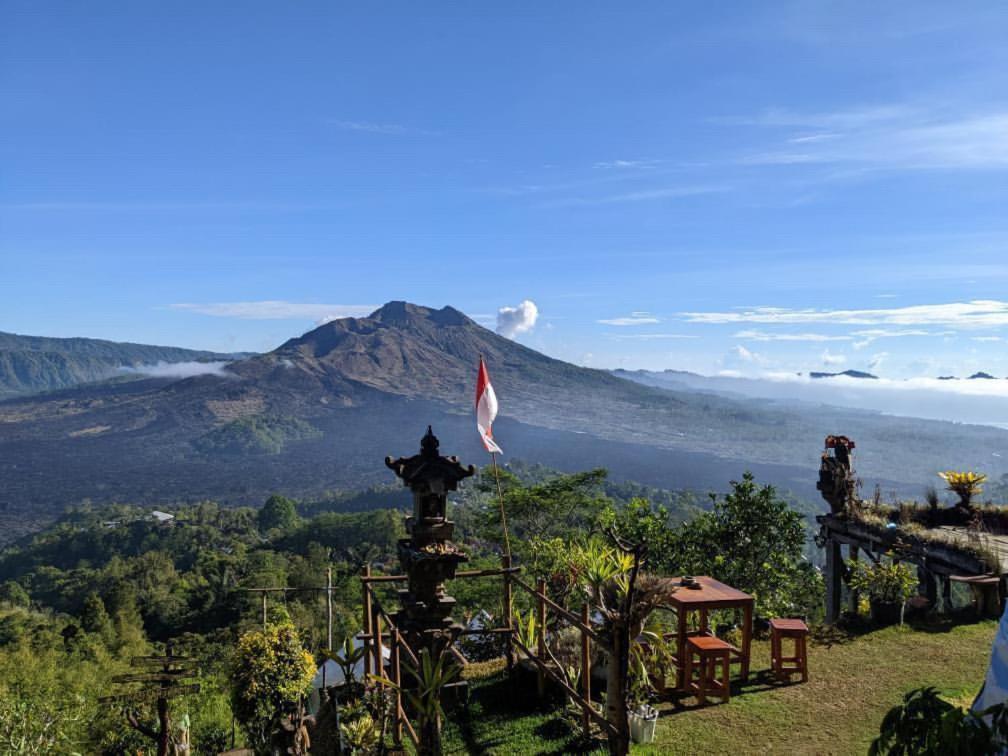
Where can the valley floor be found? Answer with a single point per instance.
(854, 680)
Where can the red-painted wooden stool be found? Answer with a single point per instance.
(785, 666)
(711, 653)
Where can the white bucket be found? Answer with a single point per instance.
(642, 724)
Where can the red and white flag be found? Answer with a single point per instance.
(486, 409)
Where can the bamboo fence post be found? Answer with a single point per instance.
(585, 672)
(366, 610)
(379, 657)
(508, 619)
(397, 680)
(541, 620)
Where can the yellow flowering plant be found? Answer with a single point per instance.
(965, 484)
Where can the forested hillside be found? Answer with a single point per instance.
(104, 584)
(29, 364)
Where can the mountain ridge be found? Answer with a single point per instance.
(30, 364)
(323, 409)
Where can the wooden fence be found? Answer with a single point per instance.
(547, 666)
(379, 627)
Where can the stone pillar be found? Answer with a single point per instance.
(834, 578)
(853, 596)
(928, 586)
(946, 589)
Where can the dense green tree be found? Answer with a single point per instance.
(556, 506)
(271, 672)
(640, 521)
(278, 513)
(95, 618)
(752, 540)
(14, 594)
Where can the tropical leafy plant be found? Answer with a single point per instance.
(926, 725)
(360, 734)
(525, 628)
(431, 677)
(347, 658)
(887, 582)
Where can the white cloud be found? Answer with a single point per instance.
(828, 358)
(867, 336)
(652, 336)
(764, 336)
(806, 138)
(514, 320)
(969, 401)
(841, 120)
(277, 310)
(625, 164)
(634, 320)
(987, 338)
(746, 355)
(974, 314)
(178, 369)
(890, 136)
(644, 195)
(372, 128)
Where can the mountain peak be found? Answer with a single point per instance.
(398, 313)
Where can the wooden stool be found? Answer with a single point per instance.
(785, 666)
(712, 652)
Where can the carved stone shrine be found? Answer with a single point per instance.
(428, 556)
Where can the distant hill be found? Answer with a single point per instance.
(30, 364)
(848, 373)
(319, 413)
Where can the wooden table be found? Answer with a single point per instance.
(711, 594)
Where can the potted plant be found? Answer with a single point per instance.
(648, 656)
(887, 585)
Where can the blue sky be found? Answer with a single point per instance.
(747, 187)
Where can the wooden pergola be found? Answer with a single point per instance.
(947, 556)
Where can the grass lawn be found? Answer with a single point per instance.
(854, 680)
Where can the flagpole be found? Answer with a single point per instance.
(500, 499)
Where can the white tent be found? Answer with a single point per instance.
(330, 674)
(995, 687)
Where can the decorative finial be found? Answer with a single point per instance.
(429, 444)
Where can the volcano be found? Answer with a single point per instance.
(320, 413)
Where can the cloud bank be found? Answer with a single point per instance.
(634, 320)
(977, 401)
(178, 369)
(514, 320)
(979, 313)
